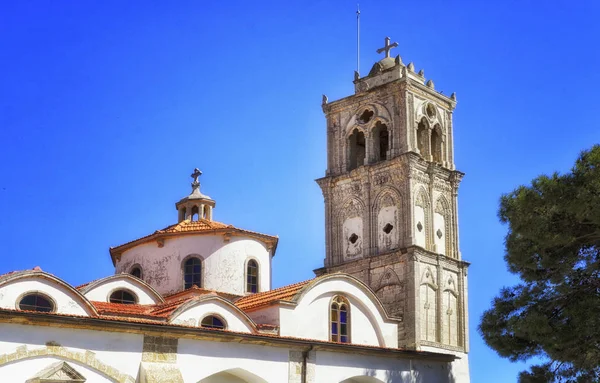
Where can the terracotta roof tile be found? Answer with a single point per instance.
(257, 300)
(121, 308)
(196, 291)
(188, 226)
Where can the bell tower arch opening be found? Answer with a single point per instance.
(357, 149)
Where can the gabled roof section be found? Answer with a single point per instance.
(187, 227)
(58, 372)
(258, 300)
(38, 273)
(85, 288)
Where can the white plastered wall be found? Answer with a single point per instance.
(336, 368)
(121, 351)
(268, 363)
(65, 300)
(223, 266)
(102, 291)
(310, 318)
(266, 315)
(194, 314)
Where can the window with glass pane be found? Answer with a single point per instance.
(212, 322)
(340, 320)
(36, 302)
(192, 273)
(252, 277)
(122, 296)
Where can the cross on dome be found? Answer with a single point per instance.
(196, 205)
(388, 47)
(195, 175)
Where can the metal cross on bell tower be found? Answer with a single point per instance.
(388, 47)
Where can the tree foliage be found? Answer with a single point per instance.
(553, 245)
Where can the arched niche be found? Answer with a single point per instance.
(450, 329)
(421, 229)
(442, 236)
(428, 306)
(352, 239)
(388, 214)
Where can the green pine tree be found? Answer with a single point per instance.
(553, 245)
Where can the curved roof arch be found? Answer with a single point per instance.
(234, 310)
(90, 287)
(39, 274)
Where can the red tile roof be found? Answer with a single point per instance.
(285, 293)
(191, 227)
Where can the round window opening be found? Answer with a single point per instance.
(212, 321)
(123, 297)
(36, 302)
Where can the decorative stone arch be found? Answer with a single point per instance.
(451, 333)
(442, 207)
(428, 306)
(352, 240)
(422, 137)
(202, 268)
(389, 289)
(388, 219)
(422, 201)
(366, 126)
(87, 358)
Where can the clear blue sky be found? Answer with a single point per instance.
(106, 107)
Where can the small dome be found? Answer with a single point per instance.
(382, 65)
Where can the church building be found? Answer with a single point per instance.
(193, 302)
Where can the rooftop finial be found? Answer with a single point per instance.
(195, 175)
(388, 47)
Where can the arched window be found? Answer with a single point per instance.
(195, 213)
(36, 302)
(123, 296)
(423, 139)
(252, 276)
(192, 272)
(357, 149)
(213, 321)
(340, 320)
(381, 142)
(436, 145)
(136, 271)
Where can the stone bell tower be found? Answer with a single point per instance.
(390, 193)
